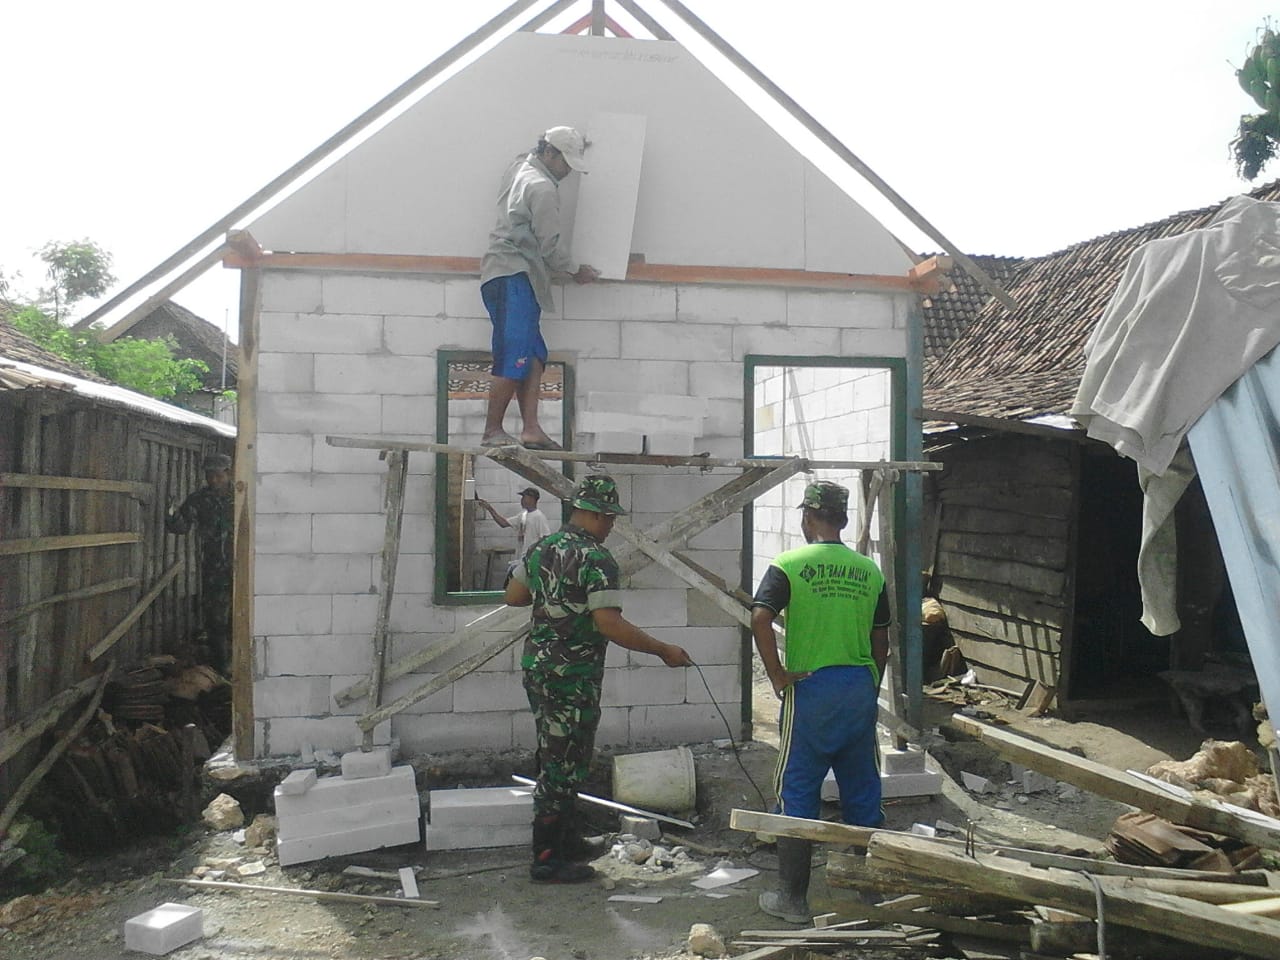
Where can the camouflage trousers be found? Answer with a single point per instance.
(566, 712)
(215, 617)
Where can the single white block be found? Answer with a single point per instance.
(167, 927)
(363, 764)
(296, 826)
(895, 785)
(902, 761)
(924, 830)
(669, 444)
(474, 838)
(616, 441)
(349, 841)
(645, 828)
(298, 782)
(606, 210)
(329, 793)
(482, 806)
(408, 883)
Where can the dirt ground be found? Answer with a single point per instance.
(490, 911)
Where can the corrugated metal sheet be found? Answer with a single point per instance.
(1235, 445)
(15, 375)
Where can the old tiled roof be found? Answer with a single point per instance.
(1029, 363)
(16, 345)
(948, 313)
(197, 338)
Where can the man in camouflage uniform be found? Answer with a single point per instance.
(211, 510)
(572, 582)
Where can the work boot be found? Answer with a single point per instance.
(790, 901)
(575, 846)
(549, 863)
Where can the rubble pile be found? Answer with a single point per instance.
(134, 770)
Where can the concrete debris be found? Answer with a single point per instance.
(705, 941)
(632, 851)
(223, 813)
(17, 910)
(297, 783)
(260, 832)
(251, 869)
(977, 784)
(924, 830)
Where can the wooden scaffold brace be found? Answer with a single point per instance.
(497, 629)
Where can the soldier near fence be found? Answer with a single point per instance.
(572, 582)
(210, 511)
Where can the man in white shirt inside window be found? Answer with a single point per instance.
(530, 524)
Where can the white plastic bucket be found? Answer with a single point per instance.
(662, 781)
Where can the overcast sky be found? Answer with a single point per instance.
(1014, 126)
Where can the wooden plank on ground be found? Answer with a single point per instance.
(1117, 785)
(1155, 912)
(990, 929)
(825, 831)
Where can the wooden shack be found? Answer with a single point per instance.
(87, 469)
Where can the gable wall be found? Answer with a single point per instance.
(355, 354)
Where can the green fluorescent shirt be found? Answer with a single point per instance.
(526, 237)
(836, 597)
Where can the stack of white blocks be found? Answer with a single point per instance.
(903, 773)
(641, 423)
(371, 805)
(465, 819)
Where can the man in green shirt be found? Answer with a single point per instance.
(837, 620)
(572, 582)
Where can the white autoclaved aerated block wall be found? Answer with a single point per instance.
(355, 354)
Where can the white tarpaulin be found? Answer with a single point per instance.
(1191, 314)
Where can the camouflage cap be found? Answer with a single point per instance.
(216, 461)
(597, 493)
(826, 496)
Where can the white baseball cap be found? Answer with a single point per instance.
(570, 143)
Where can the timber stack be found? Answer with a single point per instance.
(1186, 881)
(134, 770)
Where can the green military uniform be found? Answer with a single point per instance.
(211, 513)
(569, 574)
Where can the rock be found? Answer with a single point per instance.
(223, 863)
(17, 910)
(705, 941)
(638, 852)
(238, 836)
(260, 831)
(223, 813)
(251, 869)
(608, 883)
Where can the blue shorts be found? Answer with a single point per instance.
(829, 723)
(515, 313)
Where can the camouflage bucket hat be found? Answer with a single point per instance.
(216, 461)
(597, 493)
(826, 496)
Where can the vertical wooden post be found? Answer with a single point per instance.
(397, 474)
(246, 468)
(30, 694)
(597, 18)
(888, 565)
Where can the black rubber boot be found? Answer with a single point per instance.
(549, 863)
(573, 844)
(790, 901)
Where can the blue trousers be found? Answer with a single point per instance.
(517, 337)
(829, 723)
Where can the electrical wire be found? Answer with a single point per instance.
(733, 743)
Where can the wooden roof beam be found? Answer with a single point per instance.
(329, 146)
(726, 50)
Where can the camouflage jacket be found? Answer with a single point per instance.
(211, 513)
(570, 574)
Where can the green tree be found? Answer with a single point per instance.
(75, 270)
